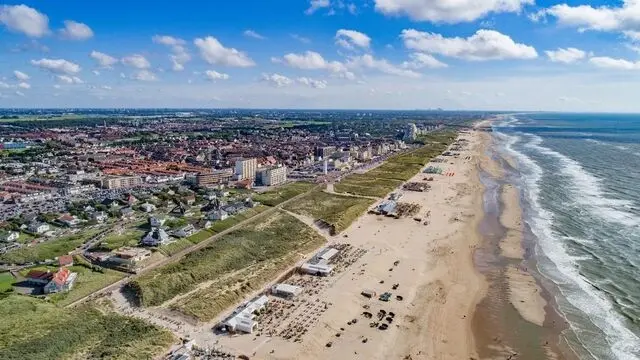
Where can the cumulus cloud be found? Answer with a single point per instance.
(277, 80)
(179, 55)
(57, 66)
(69, 79)
(311, 60)
(214, 75)
(20, 75)
(103, 59)
(317, 84)
(315, 5)
(24, 85)
(351, 39)
(483, 45)
(76, 31)
(615, 64)
(422, 60)
(566, 56)
(106, 87)
(448, 11)
(625, 18)
(19, 93)
(137, 61)
(252, 34)
(369, 62)
(23, 19)
(96, 72)
(144, 75)
(213, 52)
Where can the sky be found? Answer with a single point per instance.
(514, 55)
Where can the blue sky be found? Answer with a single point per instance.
(376, 54)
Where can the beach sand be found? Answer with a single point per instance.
(437, 281)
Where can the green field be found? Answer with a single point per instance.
(283, 193)
(131, 237)
(335, 210)
(6, 281)
(175, 247)
(385, 178)
(260, 242)
(220, 226)
(34, 329)
(47, 250)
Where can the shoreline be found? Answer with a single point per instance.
(520, 311)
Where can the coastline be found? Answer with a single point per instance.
(438, 285)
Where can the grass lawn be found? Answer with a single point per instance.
(175, 247)
(6, 281)
(259, 243)
(88, 282)
(25, 238)
(34, 329)
(336, 210)
(219, 226)
(200, 236)
(283, 193)
(48, 249)
(130, 237)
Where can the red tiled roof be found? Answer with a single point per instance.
(39, 275)
(61, 276)
(65, 260)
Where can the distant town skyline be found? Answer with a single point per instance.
(322, 54)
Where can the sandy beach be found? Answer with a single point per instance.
(428, 269)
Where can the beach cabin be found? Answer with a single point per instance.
(316, 269)
(286, 291)
(243, 321)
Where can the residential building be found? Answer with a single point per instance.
(68, 220)
(9, 236)
(325, 151)
(62, 281)
(217, 215)
(127, 212)
(39, 277)
(99, 216)
(156, 222)
(156, 237)
(129, 256)
(185, 231)
(146, 207)
(272, 176)
(65, 260)
(119, 182)
(38, 227)
(246, 168)
(410, 132)
(214, 177)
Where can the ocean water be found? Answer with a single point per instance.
(579, 177)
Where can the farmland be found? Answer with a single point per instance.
(263, 242)
(337, 211)
(34, 329)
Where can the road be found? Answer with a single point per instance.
(188, 250)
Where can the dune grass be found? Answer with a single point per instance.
(34, 329)
(283, 193)
(274, 237)
(335, 210)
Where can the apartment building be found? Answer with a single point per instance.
(119, 182)
(246, 168)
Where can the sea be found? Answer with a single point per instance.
(579, 178)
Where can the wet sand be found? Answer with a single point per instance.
(516, 319)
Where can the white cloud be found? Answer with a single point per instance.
(24, 85)
(317, 84)
(214, 75)
(106, 87)
(56, 86)
(252, 34)
(103, 59)
(448, 11)
(382, 65)
(566, 56)
(350, 39)
(69, 79)
(76, 31)
(96, 72)
(180, 55)
(315, 5)
(4, 85)
(352, 8)
(144, 75)
(137, 61)
(277, 80)
(483, 45)
(21, 76)
(616, 64)
(23, 19)
(300, 38)
(213, 52)
(624, 18)
(123, 76)
(422, 60)
(19, 93)
(57, 66)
